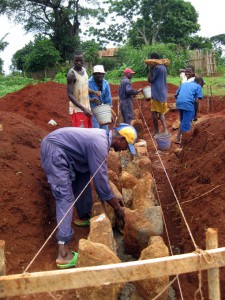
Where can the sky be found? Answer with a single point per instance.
(211, 19)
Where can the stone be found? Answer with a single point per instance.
(138, 125)
(101, 231)
(127, 180)
(127, 197)
(150, 288)
(113, 162)
(113, 177)
(140, 225)
(143, 193)
(115, 190)
(99, 208)
(141, 151)
(139, 166)
(96, 254)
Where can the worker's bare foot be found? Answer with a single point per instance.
(64, 255)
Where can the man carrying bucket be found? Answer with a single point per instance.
(69, 157)
(98, 83)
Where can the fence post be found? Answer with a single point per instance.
(2, 257)
(213, 274)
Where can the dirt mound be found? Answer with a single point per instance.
(40, 103)
(202, 178)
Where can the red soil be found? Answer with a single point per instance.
(27, 206)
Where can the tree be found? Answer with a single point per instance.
(59, 20)
(218, 41)
(36, 56)
(3, 45)
(150, 21)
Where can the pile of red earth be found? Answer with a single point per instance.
(27, 207)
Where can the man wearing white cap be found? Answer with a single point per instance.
(98, 83)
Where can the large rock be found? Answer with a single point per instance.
(127, 197)
(139, 166)
(150, 288)
(99, 208)
(101, 232)
(140, 225)
(138, 125)
(113, 162)
(113, 177)
(115, 190)
(141, 151)
(95, 254)
(127, 180)
(143, 193)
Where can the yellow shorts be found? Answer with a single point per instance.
(160, 107)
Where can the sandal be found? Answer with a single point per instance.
(70, 264)
(82, 223)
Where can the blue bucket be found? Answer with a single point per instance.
(163, 140)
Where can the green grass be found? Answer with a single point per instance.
(12, 83)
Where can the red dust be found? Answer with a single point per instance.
(27, 206)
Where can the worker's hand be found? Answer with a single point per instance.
(95, 100)
(87, 112)
(97, 93)
(118, 206)
(139, 90)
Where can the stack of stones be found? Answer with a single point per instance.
(131, 179)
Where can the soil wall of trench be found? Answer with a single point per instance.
(27, 206)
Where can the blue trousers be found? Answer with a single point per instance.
(66, 185)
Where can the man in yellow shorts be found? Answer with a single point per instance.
(157, 77)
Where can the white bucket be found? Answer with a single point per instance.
(147, 92)
(102, 114)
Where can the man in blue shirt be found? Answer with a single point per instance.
(157, 77)
(126, 93)
(69, 157)
(187, 94)
(98, 83)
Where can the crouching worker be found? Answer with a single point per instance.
(186, 96)
(69, 157)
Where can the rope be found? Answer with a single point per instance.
(164, 221)
(72, 205)
(200, 252)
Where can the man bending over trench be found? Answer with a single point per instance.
(69, 157)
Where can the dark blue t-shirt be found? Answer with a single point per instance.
(158, 83)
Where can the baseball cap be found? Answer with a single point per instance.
(98, 69)
(127, 70)
(130, 134)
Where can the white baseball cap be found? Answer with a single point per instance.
(98, 69)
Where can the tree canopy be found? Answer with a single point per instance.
(3, 45)
(149, 21)
(36, 56)
(59, 20)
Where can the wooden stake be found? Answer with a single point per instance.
(2, 258)
(213, 274)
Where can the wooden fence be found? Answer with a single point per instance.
(204, 62)
(39, 282)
